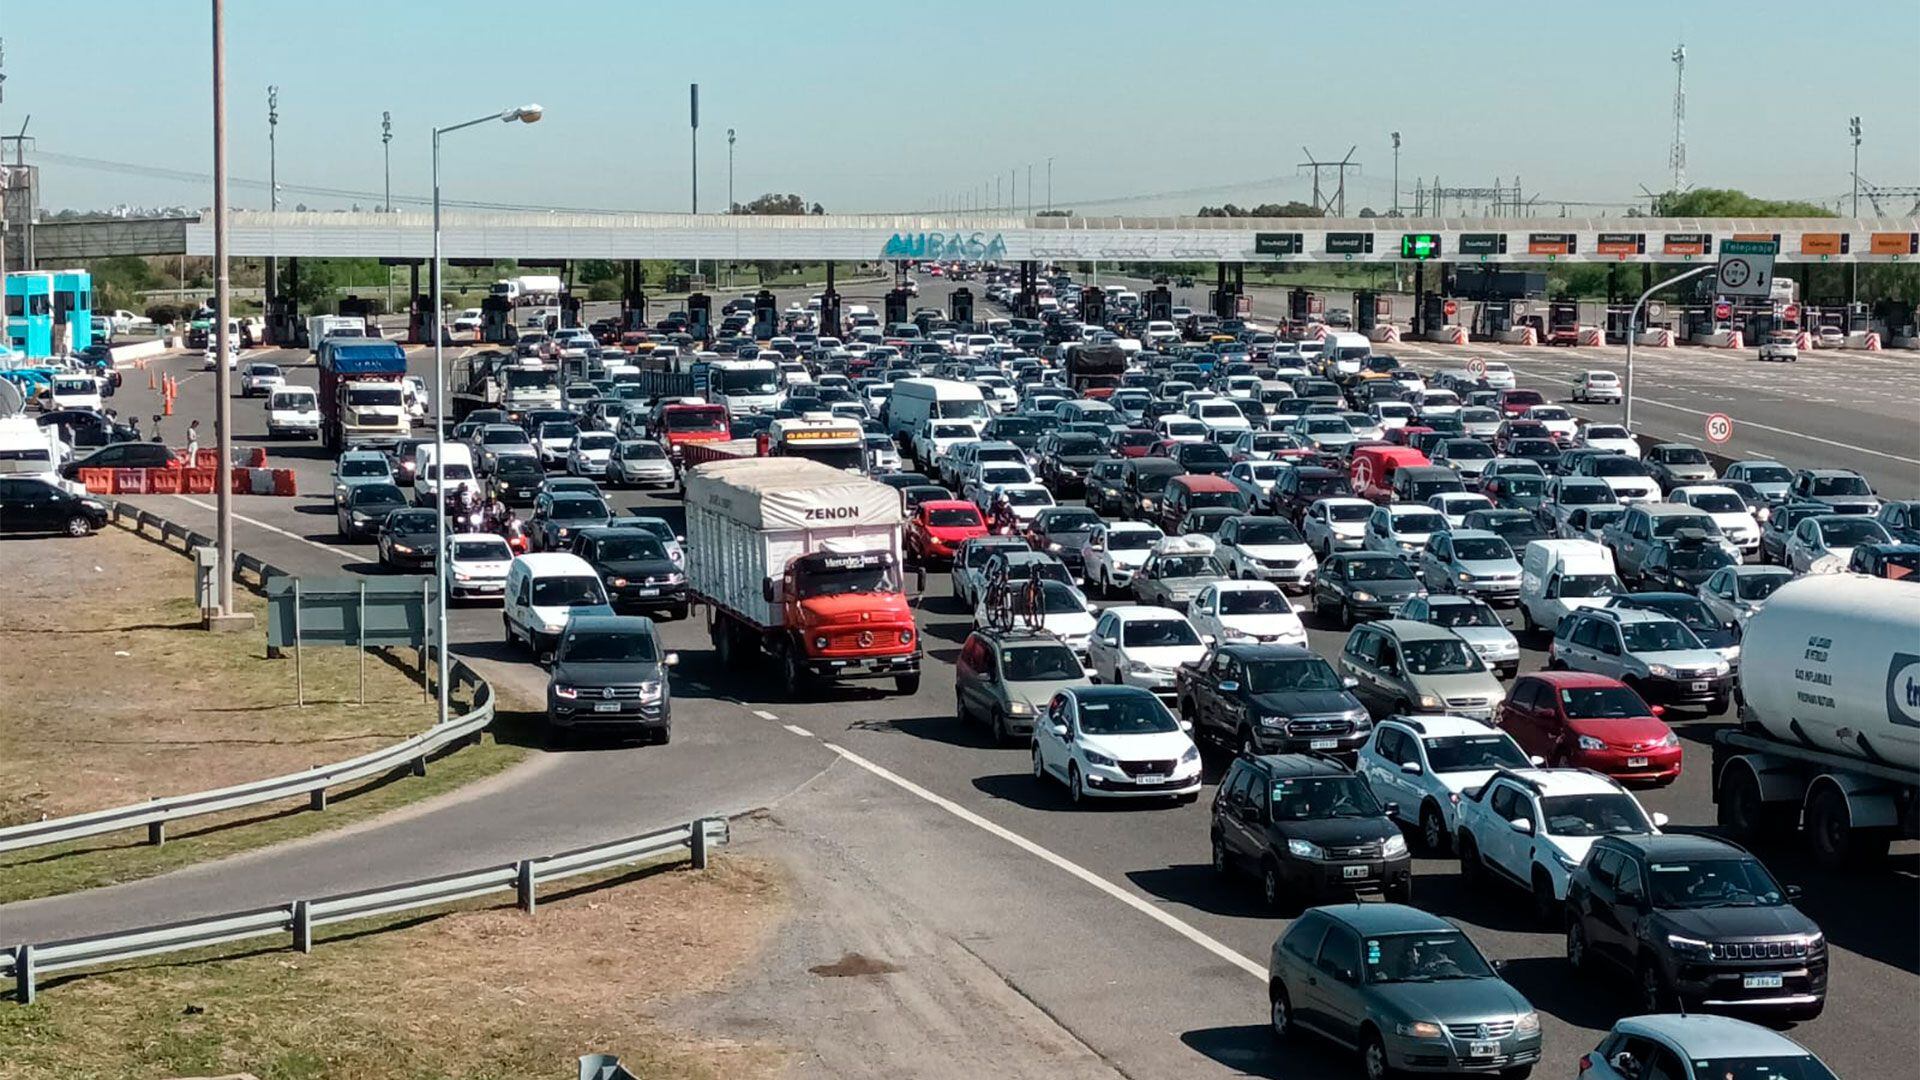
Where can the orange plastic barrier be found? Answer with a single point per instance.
(198, 481)
(97, 481)
(256, 457)
(163, 481)
(129, 481)
(207, 459)
(242, 481)
(283, 482)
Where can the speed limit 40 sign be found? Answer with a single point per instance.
(1719, 428)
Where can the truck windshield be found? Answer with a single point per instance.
(362, 396)
(524, 379)
(714, 419)
(828, 582)
(960, 409)
(839, 457)
(746, 380)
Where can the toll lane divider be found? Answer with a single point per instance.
(1384, 332)
(189, 481)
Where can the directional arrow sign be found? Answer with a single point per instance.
(1746, 267)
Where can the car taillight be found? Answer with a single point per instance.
(1586, 1062)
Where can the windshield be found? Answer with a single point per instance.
(1474, 613)
(953, 518)
(1425, 957)
(413, 521)
(1718, 502)
(1179, 566)
(503, 436)
(629, 648)
(1760, 586)
(1852, 532)
(1682, 455)
(1311, 798)
(1268, 531)
(1465, 753)
(1440, 657)
(559, 430)
(1577, 585)
(1039, 663)
(1585, 494)
(1659, 635)
(1378, 570)
(714, 419)
(1610, 813)
(294, 401)
(1157, 633)
(481, 551)
(1033, 496)
(1606, 431)
(1673, 523)
(1601, 703)
(1015, 426)
(1064, 522)
(752, 380)
(373, 395)
(1128, 714)
(1348, 511)
(1281, 676)
(1806, 1067)
(1132, 539)
(1706, 883)
(1616, 465)
(1523, 397)
(1481, 549)
(579, 507)
(525, 379)
(1419, 523)
(1523, 487)
(836, 582)
(517, 467)
(1699, 557)
(363, 467)
(960, 408)
(596, 440)
(1767, 474)
(568, 592)
(643, 451)
(627, 548)
(1468, 450)
(1269, 601)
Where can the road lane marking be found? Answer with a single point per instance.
(798, 730)
(1177, 925)
(764, 714)
(1781, 431)
(331, 550)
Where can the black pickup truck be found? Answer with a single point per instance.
(1270, 699)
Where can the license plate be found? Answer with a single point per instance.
(1697, 686)
(1636, 763)
(606, 706)
(1763, 982)
(1324, 744)
(1151, 778)
(646, 592)
(1483, 1049)
(1351, 873)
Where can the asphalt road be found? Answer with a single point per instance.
(1108, 919)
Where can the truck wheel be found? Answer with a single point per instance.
(1836, 843)
(793, 673)
(723, 643)
(907, 685)
(1744, 813)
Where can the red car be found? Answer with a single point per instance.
(1404, 436)
(939, 525)
(1131, 442)
(1515, 402)
(1592, 722)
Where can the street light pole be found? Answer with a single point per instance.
(1049, 185)
(1396, 174)
(730, 203)
(273, 181)
(222, 339)
(386, 151)
(526, 114)
(1633, 322)
(1853, 288)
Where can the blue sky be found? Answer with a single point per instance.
(903, 107)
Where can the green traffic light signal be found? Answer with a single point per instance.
(1420, 246)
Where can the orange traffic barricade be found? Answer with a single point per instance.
(97, 481)
(241, 480)
(163, 481)
(283, 483)
(256, 457)
(129, 481)
(207, 459)
(198, 481)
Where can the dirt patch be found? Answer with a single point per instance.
(854, 965)
(488, 993)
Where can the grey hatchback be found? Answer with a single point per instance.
(1408, 990)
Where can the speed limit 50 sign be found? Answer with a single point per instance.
(1719, 428)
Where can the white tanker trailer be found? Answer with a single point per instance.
(1829, 736)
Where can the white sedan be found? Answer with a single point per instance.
(1556, 419)
(479, 565)
(1115, 742)
(590, 453)
(1141, 645)
(1246, 611)
(1612, 438)
(262, 379)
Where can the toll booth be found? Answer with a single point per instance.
(420, 324)
(496, 321)
(1093, 307)
(1366, 310)
(1224, 302)
(1619, 324)
(361, 308)
(896, 305)
(1159, 304)
(1433, 311)
(633, 310)
(1491, 318)
(830, 325)
(1302, 304)
(700, 316)
(283, 321)
(960, 308)
(569, 309)
(766, 315)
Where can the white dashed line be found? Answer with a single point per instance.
(798, 730)
(1179, 926)
(764, 714)
(328, 548)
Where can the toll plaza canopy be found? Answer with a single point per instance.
(987, 238)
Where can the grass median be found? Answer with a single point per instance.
(113, 695)
(477, 992)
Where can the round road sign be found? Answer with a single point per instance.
(1735, 273)
(1723, 310)
(1450, 307)
(1719, 428)
(1792, 313)
(1476, 367)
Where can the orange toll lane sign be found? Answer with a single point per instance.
(1825, 243)
(1894, 243)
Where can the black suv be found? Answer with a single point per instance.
(1065, 458)
(1304, 485)
(1697, 922)
(1308, 828)
(516, 480)
(634, 566)
(610, 674)
(1277, 698)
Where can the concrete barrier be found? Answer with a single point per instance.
(1803, 341)
(124, 355)
(1723, 339)
(1900, 342)
(1658, 338)
(1866, 340)
(1519, 335)
(1591, 335)
(1448, 335)
(1317, 331)
(1384, 332)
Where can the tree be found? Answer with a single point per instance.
(1069, 213)
(771, 204)
(1368, 211)
(1730, 202)
(1291, 209)
(594, 271)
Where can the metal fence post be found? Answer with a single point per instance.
(317, 798)
(23, 981)
(156, 830)
(302, 926)
(426, 638)
(299, 684)
(361, 627)
(523, 885)
(699, 841)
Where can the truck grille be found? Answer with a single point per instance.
(609, 693)
(1758, 950)
(1319, 725)
(1135, 768)
(1491, 1029)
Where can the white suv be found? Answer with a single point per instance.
(1115, 552)
(1531, 827)
(1421, 765)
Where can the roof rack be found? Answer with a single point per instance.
(1524, 781)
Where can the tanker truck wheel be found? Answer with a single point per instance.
(907, 685)
(1836, 842)
(1744, 814)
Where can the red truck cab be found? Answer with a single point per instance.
(687, 423)
(1372, 468)
(850, 613)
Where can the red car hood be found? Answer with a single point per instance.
(1632, 733)
(953, 534)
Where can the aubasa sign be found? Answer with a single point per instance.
(976, 247)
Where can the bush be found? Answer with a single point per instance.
(604, 290)
(161, 314)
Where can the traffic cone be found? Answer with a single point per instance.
(151, 384)
(166, 405)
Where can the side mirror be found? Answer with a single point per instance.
(1795, 892)
(673, 659)
(1349, 681)
(1229, 686)
(1521, 825)
(1110, 642)
(766, 590)
(1538, 761)
(1659, 820)
(1411, 768)
(1392, 809)
(1186, 725)
(1060, 731)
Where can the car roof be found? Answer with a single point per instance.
(1300, 765)
(1702, 1035)
(1410, 630)
(553, 562)
(1474, 534)
(1679, 846)
(1130, 612)
(1376, 918)
(1565, 781)
(1266, 652)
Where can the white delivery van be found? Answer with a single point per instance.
(27, 449)
(74, 392)
(1345, 354)
(293, 410)
(1559, 576)
(457, 471)
(916, 401)
(544, 590)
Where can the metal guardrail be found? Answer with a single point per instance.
(25, 963)
(313, 783)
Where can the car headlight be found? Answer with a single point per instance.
(1363, 596)
(1429, 701)
(1394, 847)
(617, 582)
(1419, 1029)
(651, 689)
(458, 576)
(1588, 742)
(1139, 667)
(360, 518)
(1305, 849)
(1094, 757)
(1659, 671)
(1721, 667)
(1053, 547)
(1233, 633)
(1527, 1023)
(1464, 576)
(1565, 860)
(1192, 755)
(1692, 948)
(1020, 708)
(1273, 721)
(567, 692)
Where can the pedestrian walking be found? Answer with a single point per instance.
(193, 443)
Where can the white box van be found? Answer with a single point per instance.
(916, 401)
(1559, 576)
(544, 590)
(293, 410)
(457, 469)
(1345, 354)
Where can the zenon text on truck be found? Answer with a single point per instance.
(801, 561)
